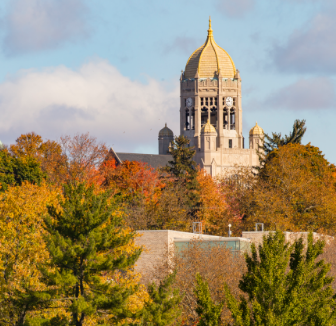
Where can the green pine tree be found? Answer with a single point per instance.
(285, 284)
(185, 169)
(209, 312)
(276, 140)
(162, 309)
(84, 242)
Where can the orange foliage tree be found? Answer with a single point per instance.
(132, 179)
(138, 184)
(294, 191)
(217, 208)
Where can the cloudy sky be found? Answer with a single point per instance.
(112, 67)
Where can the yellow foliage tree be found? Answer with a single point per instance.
(22, 247)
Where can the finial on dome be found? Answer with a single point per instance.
(166, 124)
(210, 29)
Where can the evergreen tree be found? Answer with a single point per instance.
(182, 154)
(85, 244)
(276, 140)
(162, 309)
(209, 312)
(285, 285)
(185, 169)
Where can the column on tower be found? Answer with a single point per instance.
(197, 122)
(220, 112)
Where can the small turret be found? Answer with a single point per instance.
(208, 137)
(256, 137)
(166, 136)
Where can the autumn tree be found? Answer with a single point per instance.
(214, 263)
(86, 242)
(294, 191)
(22, 250)
(217, 207)
(16, 170)
(84, 155)
(48, 154)
(285, 284)
(139, 187)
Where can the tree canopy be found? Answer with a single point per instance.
(285, 284)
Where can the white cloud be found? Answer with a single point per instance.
(311, 49)
(96, 98)
(186, 45)
(234, 8)
(33, 25)
(303, 95)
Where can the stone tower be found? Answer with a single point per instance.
(166, 136)
(210, 88)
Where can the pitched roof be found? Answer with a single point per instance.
(153, 160)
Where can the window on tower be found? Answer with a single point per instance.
(230, 143)
(225, 119)
(192, 119)
(204, 116)
(232, 119)
(213, 116)
(209, 111)
(187, 120)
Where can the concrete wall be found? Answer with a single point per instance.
(257, 237)
(157, 245)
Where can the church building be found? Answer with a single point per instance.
(210, 115)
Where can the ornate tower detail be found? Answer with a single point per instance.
(256, 137)
(166, 136)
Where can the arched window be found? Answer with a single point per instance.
(192, 119)
(213, 116)
(232, 119)
(225, 119)
(187, 119)
(204, 116)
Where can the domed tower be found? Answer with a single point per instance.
(211, 90)
(166, 136)
(256, 137)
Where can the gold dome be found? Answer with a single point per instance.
(208, 128)
(256, 130)
(166, 132)
(209, 59)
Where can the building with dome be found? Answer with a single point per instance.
(210, 114)
(211, 110)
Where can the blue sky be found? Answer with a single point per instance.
(112, 68)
